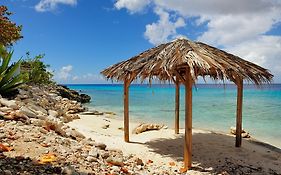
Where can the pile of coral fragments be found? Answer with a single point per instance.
(35, 138)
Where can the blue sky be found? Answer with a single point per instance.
(82, 37)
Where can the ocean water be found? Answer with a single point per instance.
(214, 106)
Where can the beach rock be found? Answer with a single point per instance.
(7, 172)
(53, 95)
(69, 170)
(53, 113)
(53, 119)
(115, 160)
(69, 117)
(2, 113)
(74, 134)
(5, 109)
(146, 127)
(28, 112)
(9, 103)
(16, 115)
(87, 141)
(42, 117)
(94, 152)
(37, 122)
(72, 95)
(91, 159)
(37, 109)
(139, 162)
(105, 126)
(101, 146)
(104, 154)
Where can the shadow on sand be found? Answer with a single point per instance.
(216, 153)
(27, 166)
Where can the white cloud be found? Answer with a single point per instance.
(50, 5)
(88, 78)
(132, 5)
(74, 78)
(65, 72)
(238, 26)
(228, 22)
(164, 29)
(234, 29)
(264, 51)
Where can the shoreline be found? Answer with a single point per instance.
(211, 149)
(133, 119)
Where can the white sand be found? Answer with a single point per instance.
(211, 151)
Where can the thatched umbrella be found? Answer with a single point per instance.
(183, 61)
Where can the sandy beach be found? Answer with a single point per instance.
(212, 152)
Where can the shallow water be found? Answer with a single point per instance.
(214, 106)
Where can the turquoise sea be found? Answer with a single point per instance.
(214, 106)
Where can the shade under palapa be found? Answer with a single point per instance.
(183, 61)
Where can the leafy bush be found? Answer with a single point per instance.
(9, 31)
(10, 76)
(36, 71)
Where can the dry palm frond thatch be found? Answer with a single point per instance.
(175, 58)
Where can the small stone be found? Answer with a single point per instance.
(104, 154)
(2, 113)
(53, 95)
(36, 122)
(5, 109)
(69, 170)
(37, 109)
(101, 146)
(94, 152)
(115, 168)
(74, 134)
(27, 139)
(91, 159)
(115, 160)
(6, 144)
(139, 167)
(85, 155)
(7, 172)
(139, 162)
(105, 126)
(53, 113)
(9, 103)
(27, 112)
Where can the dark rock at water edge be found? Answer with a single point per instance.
(65, 92)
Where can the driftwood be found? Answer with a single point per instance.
(147, 127)
(244, 134)
(92, 113)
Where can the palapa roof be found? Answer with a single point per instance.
(175, 58)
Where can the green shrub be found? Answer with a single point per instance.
(36, 71)
(10, 76)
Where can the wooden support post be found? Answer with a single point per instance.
(177, 106)
(126, 110)
(188, 121)
(239, 113)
